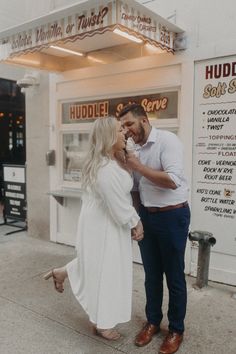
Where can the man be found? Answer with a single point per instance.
(165, 214)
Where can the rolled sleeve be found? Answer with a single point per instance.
(172, 159)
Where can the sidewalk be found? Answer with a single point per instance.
(35, 319)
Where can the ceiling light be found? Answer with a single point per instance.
(67, 50)
(153, 48)
(96, 60)
(128, 36)
(23, 61)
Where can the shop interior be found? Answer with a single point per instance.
(12, 127)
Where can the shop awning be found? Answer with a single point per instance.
(92, 32)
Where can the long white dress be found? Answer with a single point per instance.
(101, 275)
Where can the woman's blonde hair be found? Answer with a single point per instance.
(101, 139)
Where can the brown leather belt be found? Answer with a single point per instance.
(166, 208)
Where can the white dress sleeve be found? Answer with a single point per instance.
(110, 186)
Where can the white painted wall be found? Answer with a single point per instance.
(15, 12)
(37, 144)
(11, 72)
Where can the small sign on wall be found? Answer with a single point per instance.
(14, 192)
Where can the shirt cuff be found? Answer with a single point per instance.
(175, 179)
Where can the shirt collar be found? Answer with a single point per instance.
(152, 137)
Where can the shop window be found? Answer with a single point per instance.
(76, 118)
(74, 146)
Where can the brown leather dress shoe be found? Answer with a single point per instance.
(171, 343)
(145, 335)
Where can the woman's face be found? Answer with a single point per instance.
(120, 142)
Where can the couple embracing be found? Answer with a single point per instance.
(101, 274)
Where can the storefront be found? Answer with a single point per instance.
(101, 72)
(75, 117)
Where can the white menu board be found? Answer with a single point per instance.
(214, 162)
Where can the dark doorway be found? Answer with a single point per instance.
(12, 126)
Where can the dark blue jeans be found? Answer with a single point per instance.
(162, 250)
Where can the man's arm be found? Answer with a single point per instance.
(160, 178)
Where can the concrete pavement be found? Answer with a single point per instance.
(35, 319)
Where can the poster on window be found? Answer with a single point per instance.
(214, 162)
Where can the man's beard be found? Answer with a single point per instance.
(140, 136)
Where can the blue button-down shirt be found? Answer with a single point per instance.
(163, 151)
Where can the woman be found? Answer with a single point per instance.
(101, 275)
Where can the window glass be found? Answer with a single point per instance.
(75, 146)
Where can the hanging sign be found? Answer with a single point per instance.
(84, 21)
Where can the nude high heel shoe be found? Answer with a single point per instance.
(109, 334)
(58, 283)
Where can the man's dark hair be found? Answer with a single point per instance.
(136, 109)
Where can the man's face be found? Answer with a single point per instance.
(133, 128)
